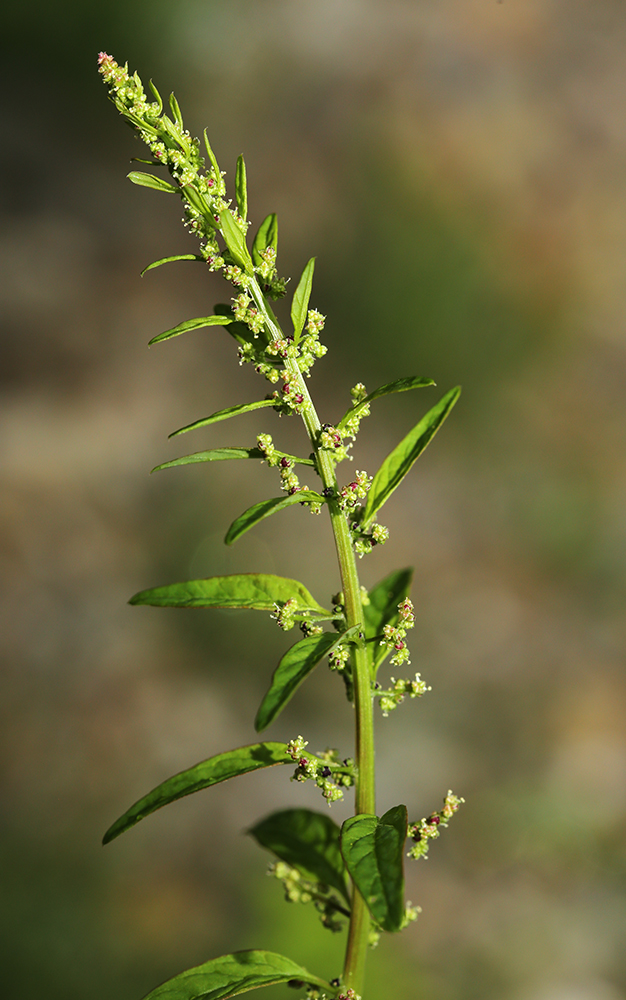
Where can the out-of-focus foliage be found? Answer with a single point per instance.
(475, 151)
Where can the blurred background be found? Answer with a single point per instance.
(459, 169)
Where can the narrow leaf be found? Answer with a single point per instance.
(150, 181)
(306, 840)
(157, 96)
(241, 188)
(211, 156)
(201, 205)
(168, 260)
(194, 779)
(178, 118)
(267, 236)
(259, 511)
(294, 667)
(400, 461)
(230, 975)
(222, 454)
(300, 302)
(191, 324)
(230, 411)
(258, 591)
(400, 385)
(235, 240)
(383, 607)
(372, 849)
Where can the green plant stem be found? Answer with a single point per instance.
(365, 787)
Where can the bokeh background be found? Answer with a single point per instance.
(459, 169)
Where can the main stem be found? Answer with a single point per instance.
(365, 785)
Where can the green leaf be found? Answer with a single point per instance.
(306, 840)
(259, 511)
(267, 236)
(178, 118)
(383, 608)
(373, 849)
(199, 202)
(400, 385)
(157, 96)
(230, 411)
(258, 591)
(194, 779)
(230, 975)
(191, 324)
(235, 241)
(301, 296)
(211, 156)
(221, 454)
(241, 188)
(294, 667)
(399, 462)
(168, 260)
(150, 181)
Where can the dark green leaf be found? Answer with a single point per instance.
(241, 188)
(168, 260)
(301, 296)
(267, 236)
(306, 840)
(191, 324)
(194, 779)
(150, 181)
(230, 411)
(383, 607)
(178, 118)
(230, 975)
(399, 462)
(235, 240)
(294, 667)
(259, 511)
(259, 591)
(400, 385)
(221, 454)
(372, 849)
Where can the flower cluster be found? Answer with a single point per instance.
(283, 614)
(351, 494)
(364, 541)
(351, 423)
(388, 700)
(393, 636)
(320, 768)
(411, 913)
(299, 889)
(430, 828)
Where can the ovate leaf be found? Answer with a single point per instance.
(222, 454)
(230, 411)
(259, 511)
(267, 236)
(230, 975)
(235, 240)
(306, 840)
(383, 607)
(241, 188)
(399, 462)
(400, 385)
(257, 591)
(168, 260)
(294, 667)
(151, 181)
(191, 324)
(373, 849)
(301, 296)
(194, 779)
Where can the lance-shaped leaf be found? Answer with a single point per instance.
(168, 260)
(259, 511)
(256, 591)
(399, 462)
(230, 411)
(294, 667)
(178, 118)
(235, 240)
(157, 96)
(151, 181)
(222, 454)
(230, 975)
(194, 779)
(191, 324)
(400, 385)
(267, 236)
(211, 155)
(306, 840)
(300, 302)
(383, 608)
(197, 200)
(373, 849)
(241, 188)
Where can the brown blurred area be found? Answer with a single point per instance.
(459, 169)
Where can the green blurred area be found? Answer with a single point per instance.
(458, 171)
